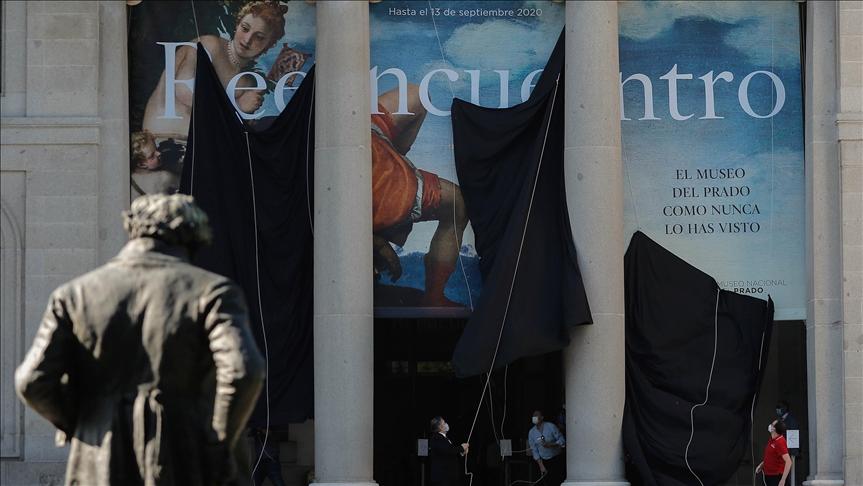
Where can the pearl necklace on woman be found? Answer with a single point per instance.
(232, 56)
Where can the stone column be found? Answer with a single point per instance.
(114, 131)
(344, 380)
(850, 135)
(594, 361)
(823, 251)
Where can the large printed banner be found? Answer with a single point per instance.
(712, 123)
(711, 117)
(261, 51)
(423, 54)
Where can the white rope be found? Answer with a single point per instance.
(772, 139)
(460, 261)
(752, 413)
(257, 260)
(452, 149)
(752, 433)
(524, 481)
(503, 419)
(195, 18)
(626, 170)
(260, 309)
(194, 134)
(440, 47)
(518, 257)
(707, 392)
(529, 483)
(308, 138)
(491, 415)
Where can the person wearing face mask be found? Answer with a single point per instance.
(546, 446)
(784, 415)
(777, 463)
(444, 454)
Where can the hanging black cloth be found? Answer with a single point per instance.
(675, 314)
(521, 223)
(221, 157)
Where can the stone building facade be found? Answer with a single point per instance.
(64, 181)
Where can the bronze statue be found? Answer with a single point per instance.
(147, 364)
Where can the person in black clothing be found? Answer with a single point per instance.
(783, 413)
(269, 467)
(443, 454)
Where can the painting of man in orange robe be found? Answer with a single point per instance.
(403, 195)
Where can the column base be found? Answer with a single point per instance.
(595, 483)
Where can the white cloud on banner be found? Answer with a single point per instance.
(753, 39)
(461, 86)
(644, 20)
(504, 44)
(299, 24)
(755, 25)
(384, 29)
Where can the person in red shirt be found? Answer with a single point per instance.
(777, 462)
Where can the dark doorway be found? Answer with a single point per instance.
(784, 379)
(414, 381)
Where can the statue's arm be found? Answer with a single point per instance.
(43, 380)
(239, 365)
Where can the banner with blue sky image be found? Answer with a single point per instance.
(423, 54)
(711, 123)
(713, 140)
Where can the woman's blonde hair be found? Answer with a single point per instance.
(139, 142)
(271, 12)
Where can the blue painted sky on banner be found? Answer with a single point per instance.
(419, 44)
(698, 37)
(740, 38)
(757, 41)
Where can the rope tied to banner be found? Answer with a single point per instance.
(518, 258)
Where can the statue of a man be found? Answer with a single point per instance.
(147, 364)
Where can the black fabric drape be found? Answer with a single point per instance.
(218, 172)
(670, 336)
(498, 153)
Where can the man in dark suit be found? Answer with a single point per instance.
(444, 454)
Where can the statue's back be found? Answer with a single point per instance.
(144, 334)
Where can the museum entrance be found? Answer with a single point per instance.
(784, 380)
(414, 382)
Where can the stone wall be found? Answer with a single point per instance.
(850, 134)
(63, 164)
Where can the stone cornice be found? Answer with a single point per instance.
(849, 125)
(50, 130)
